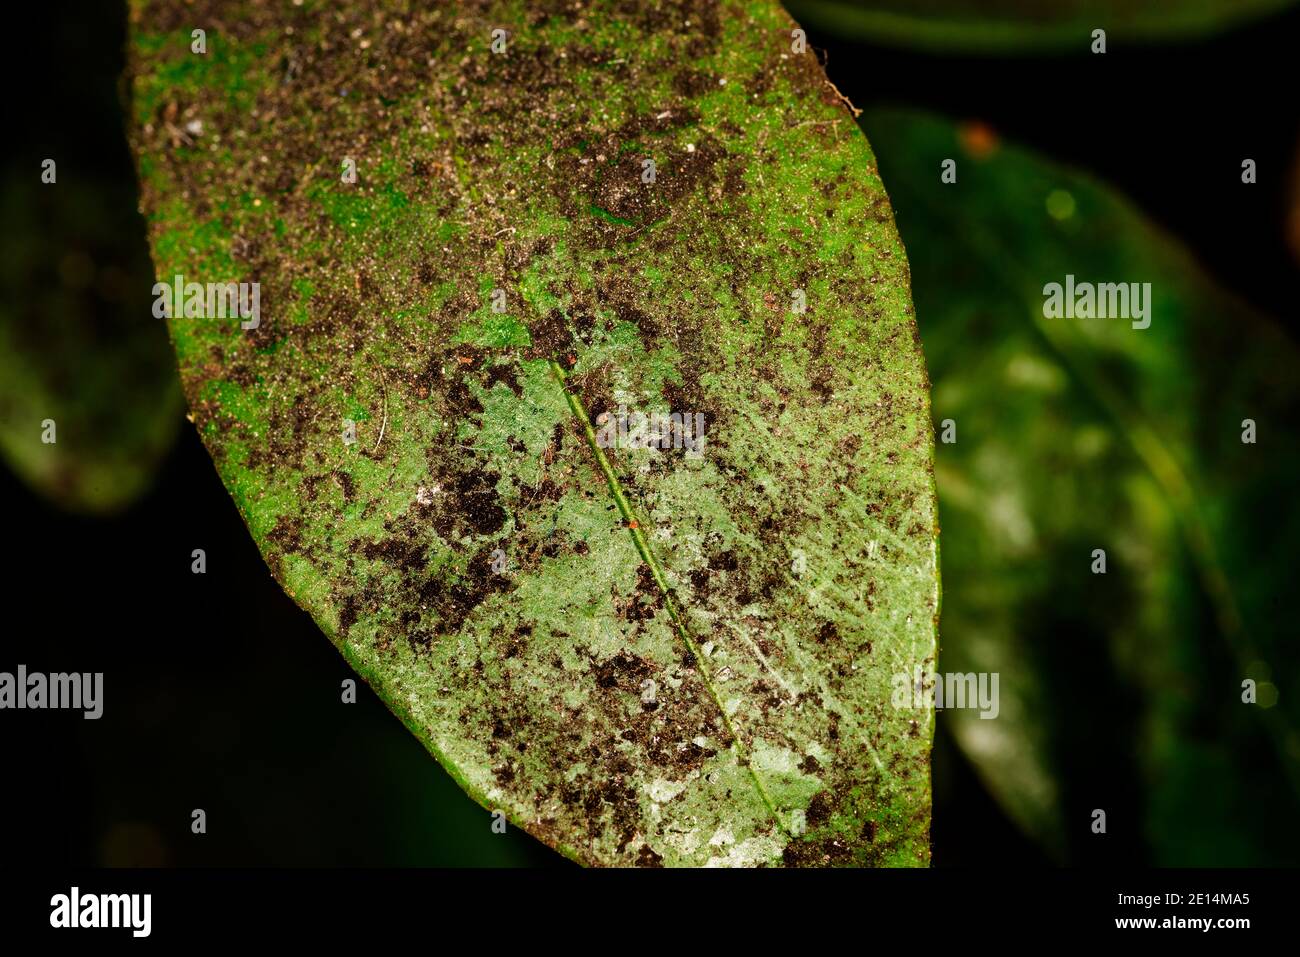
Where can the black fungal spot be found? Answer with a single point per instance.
(724, 562)
(624, 671)
(648, 858)
(819, 810)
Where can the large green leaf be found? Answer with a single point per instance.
(1024, 26)
(685, 659)
(1120, 691)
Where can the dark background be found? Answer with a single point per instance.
(221, 694)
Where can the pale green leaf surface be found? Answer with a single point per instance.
(687, 660)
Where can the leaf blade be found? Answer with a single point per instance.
(648, 683)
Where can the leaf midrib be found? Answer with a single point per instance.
(634, 527)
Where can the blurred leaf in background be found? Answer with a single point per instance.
(1024, 26)
(1120, 691)
(78, 341)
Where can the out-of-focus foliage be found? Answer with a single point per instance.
(79, 344)
(1024, 26)
(1120, 691)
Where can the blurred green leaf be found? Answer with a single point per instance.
(1119, 691)
(79, 344)
(1027, 26)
